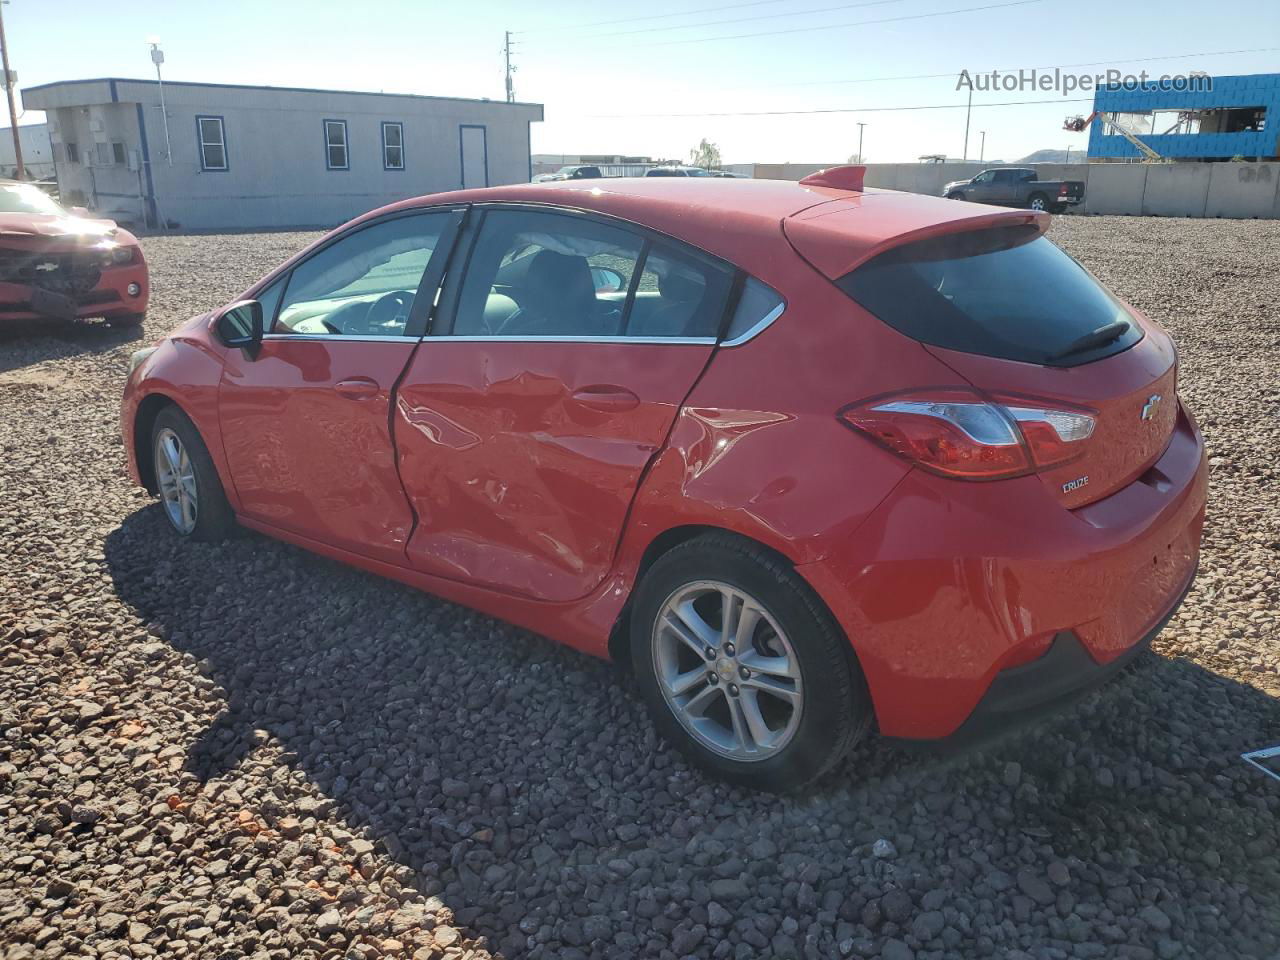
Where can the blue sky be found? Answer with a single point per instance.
(620, 86)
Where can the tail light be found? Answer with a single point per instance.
(959, 433)
(1062, 190)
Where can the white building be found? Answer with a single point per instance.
(37, 155)
(245, 157)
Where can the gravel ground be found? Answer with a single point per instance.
(245, 750)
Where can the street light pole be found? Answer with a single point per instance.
(157, 57)
(968, 110)
(861, 158)
(982, 150)
(21, 173)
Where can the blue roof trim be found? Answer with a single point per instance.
(245, 86)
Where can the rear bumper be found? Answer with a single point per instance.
(952, 585)
(1019, 695)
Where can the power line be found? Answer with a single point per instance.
(840, 26)
(781, 113)
(661, 16)
(716, 23)
(1052, 66)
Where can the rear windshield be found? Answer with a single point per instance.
(1005, 292)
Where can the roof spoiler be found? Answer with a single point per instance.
(839, 178)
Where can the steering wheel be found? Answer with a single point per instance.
(389, 310)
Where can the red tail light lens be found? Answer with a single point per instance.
(958, 433)
(1062, 190)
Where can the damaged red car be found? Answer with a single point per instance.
(810, 458)
(59, 264)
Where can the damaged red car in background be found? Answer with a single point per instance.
(56, 264)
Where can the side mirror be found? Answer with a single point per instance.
(606, 280)
(240, 325)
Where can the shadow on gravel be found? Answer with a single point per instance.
(24, 343)
(524, 785)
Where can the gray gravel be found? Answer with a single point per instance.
(245, 751)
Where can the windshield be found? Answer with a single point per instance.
(24, 198)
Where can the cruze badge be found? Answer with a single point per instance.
(1075, 484)
(47, 265)
(1149, 408)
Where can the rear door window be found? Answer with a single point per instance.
(545, 275)
(1005, 292)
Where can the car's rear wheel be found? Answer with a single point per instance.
(1038, 201)
(742, 667)
(186, 479)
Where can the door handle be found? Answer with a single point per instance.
(358, 388)
(607, 398)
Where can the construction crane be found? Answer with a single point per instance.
(1079, 124)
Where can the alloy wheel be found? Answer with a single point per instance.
(176, 477)
(727, 670)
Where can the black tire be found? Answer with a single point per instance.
(1041, 199)
(836, 707)
(126, 320)
(214, 518)
(955, 195)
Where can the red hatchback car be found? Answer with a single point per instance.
(809, 456)
(58, 264)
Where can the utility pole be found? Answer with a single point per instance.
(982, 150)
(861, 158)
(157, 57)
(13, 110)
(968, 110)
(1068, 160)
(506, 55)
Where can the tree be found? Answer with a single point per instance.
(856, 158)
(706, 155)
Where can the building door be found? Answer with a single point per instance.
(475, 155)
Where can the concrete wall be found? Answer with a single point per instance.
(1237, 190)
(277, 174)
(37, 155)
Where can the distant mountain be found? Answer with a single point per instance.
(1054, 156)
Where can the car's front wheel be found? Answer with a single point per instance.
(955, 195)
(742, 666)
(186, 479)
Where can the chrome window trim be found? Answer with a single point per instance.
(341, 337)
(703, 341)
(756, 328)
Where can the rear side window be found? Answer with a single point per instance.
(758, 306)
(559, 276)
(1005, 292)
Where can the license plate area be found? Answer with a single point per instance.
(50, 304)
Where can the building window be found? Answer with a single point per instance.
(117, 152)
(73, 152)
(335, 145)
(393, 146)
(213, 143)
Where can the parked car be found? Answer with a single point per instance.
(574, 172)
(678, 172)
(59, 264)
(1017, 187)
(820, 458)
